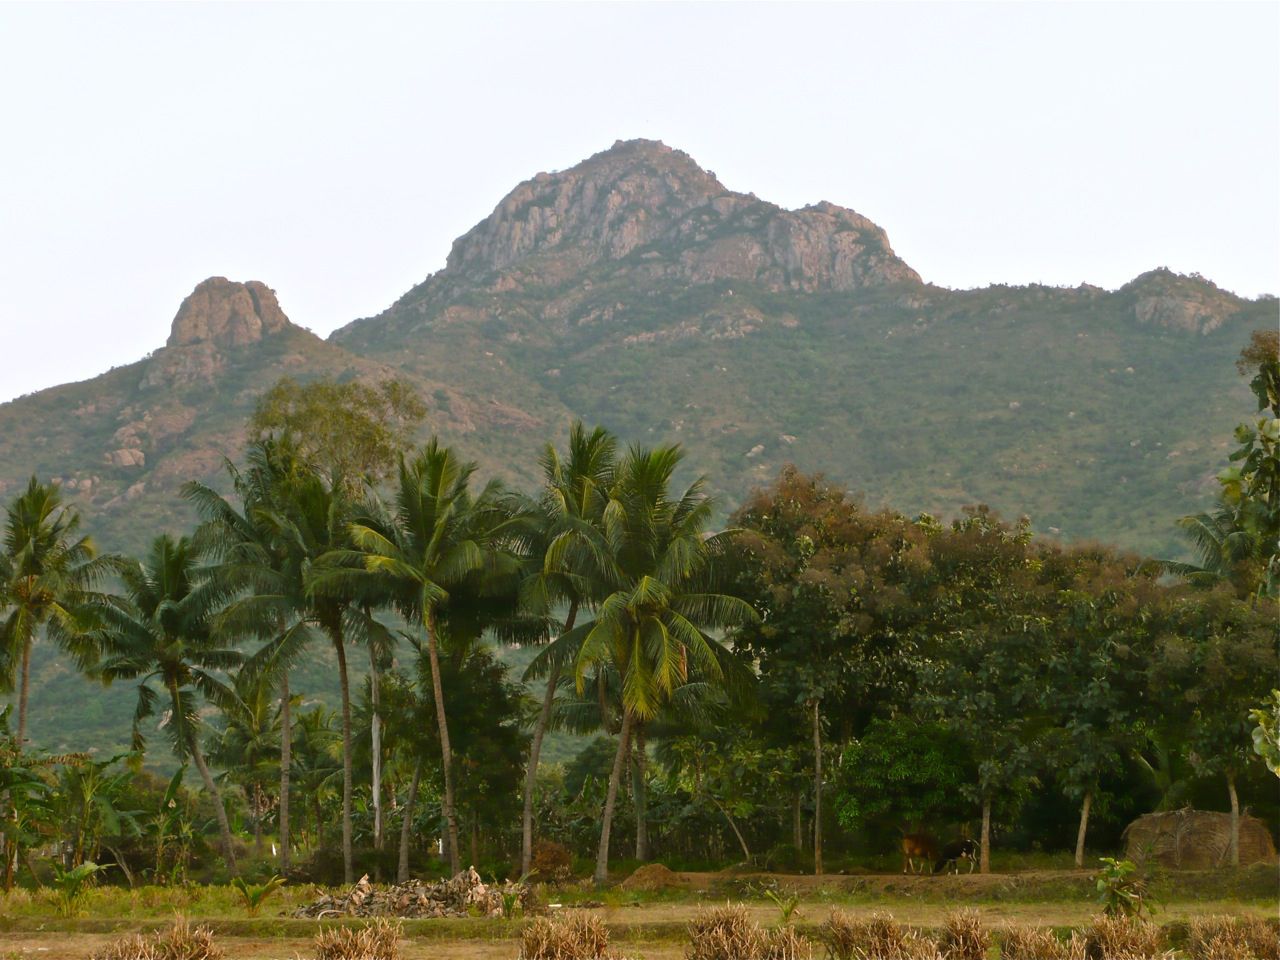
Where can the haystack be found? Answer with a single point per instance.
(651, 877)
(1196, 839)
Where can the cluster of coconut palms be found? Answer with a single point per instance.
(610, 567)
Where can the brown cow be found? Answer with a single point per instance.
(918, 847)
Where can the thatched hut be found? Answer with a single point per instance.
(1196, 839)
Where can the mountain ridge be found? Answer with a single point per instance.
(634, 288)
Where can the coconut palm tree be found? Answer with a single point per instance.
(263, 553)
(157, 633)
(664, 573)
(574, 493)
(438, 539)
(1224, 551)
(317, 762)
(48, 570)
(247, 748)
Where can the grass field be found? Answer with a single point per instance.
(644, 924)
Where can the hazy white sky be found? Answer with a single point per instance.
(334, 151)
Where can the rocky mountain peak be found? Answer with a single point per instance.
(644, 198)
(602, 208)
(227, 314)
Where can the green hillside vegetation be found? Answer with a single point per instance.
(598, 647)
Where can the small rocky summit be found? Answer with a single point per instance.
(1191, 303)
(218, 315)
(227, 313)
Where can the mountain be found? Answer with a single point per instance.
(637, 291)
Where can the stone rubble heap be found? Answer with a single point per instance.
(464, 896)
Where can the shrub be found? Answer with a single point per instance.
(376, 940)
(964, 937)
(879, 937)
(71, 885)
(551, 863)
(569, 936)
(1233, 938)
(1122, 892)
(1123, 938)
(179, 942)
(1040, 943)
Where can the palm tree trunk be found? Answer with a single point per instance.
(535, 751)
(406, 826)
(1084, 827)
(224, 825)
(286, 760)
(984, 856)
(531, 772)
(817, 788)
(256, 807)
(446, 752)
(611, 799)
(23, 690)
(1235, 819)
(348, 857)
(375, 734)
(639, 793)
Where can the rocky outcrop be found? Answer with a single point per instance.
(601, 209)
(822, 247)
(218, 315)
(227, 314)
(1190, 303)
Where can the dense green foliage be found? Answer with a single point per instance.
(817, 669)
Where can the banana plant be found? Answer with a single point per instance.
(71, 885)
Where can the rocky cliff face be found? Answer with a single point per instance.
(643, 207)
(228, 314)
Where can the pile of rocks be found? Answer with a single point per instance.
(463, 896)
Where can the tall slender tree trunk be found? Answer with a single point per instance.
(611, 799)
(23, 690)
(1235, 819)
(224, 825)
(348, 855)
(797, 820)
(446, 752)
(256, 807)
(1084, 827)
(984, 856)
(375, 736)
(640, 795)
(733, 825)
(817, 787)
(286, 760)
(406, 825)
(535, 751)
